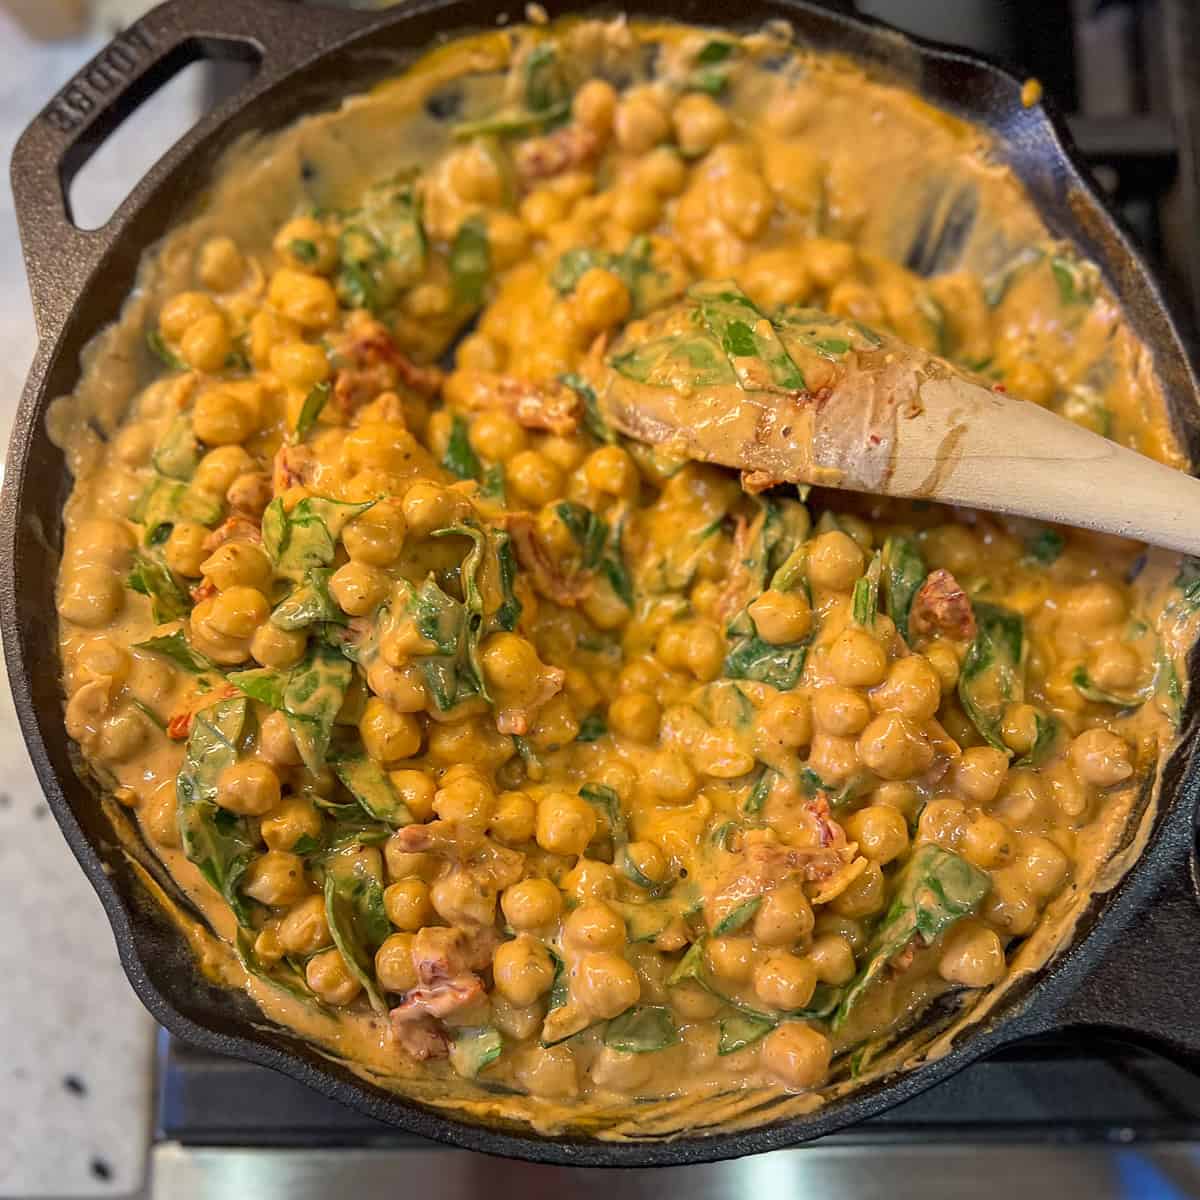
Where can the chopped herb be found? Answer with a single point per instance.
(592, 728)
(609, 803)
(992, 674)
(167, 598)
(309, 695)
(1045, 546)
(369, 784)
(220, 843)
(936, 889)
(903, 572)
(470, 262)
(739, 1030)
(472, 1050)
(303, 250)
(715, 52)
(358, 923)
(1083, 684)
(642, 1029)
(742, 915)
(459, 458)
(175, 647)
(311, 409)
(149, 713)
(163, 352)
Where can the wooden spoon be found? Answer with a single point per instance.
(872, 414)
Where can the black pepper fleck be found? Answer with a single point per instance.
(100, 1169)
(74, 1085)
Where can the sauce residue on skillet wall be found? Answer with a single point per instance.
(532, 773)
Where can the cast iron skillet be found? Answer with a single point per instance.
(1131, 969)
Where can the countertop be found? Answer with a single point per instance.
(76, 1047)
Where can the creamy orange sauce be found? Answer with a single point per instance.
(537, 773)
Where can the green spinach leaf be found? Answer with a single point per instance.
(358, 923)
(993, 671)
(175, 647)
(470, 262)
(151, 578)
(307, 536)
(642, 1029)
(368, 783)
(903, 572)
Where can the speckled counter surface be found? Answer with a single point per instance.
(75, 1044)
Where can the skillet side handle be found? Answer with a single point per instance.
(274, 34)
(1144, 986)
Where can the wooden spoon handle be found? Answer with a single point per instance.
(971, 446)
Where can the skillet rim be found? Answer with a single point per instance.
(1018, 1016)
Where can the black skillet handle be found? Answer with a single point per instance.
(1142, 979)
(275, 35)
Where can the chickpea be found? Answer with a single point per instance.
(834, 561)
(250, 493)
(590, 880)
(784, 917)
(979, 773)
(329, 976)
(514, 820)
(250, 788)
(700, 123)
(159, 816)
(183, 310)
(595, 105)
(594, 926)
(394, 967)
(797, 1055)
(942, 822)
(543, 208)
(833, 758)
(519, 1024)
(1009, 908)
(306, 299)
(944, 661)
(832, 958)
(221, 265)
(668, 778)
(532, 904)
(612, 471)
(744, 202)
(218, 469)
(600, 301)
(90, 596)
(565, 823)
(1101, 758)
(1093, 605)
(635, 715)
(785, 981)
(894, 747)
(972, 956)
(912, 687)
(408, 905)
(279, 648)
(693, 1002)
(474, 175)
(305, 929)
(275, 878)
(376, 536)
(841, 711)
(786, 720)
(102, 658)
(880, 831)
(640, 123)
(987, 842)
(275, 742)
(828, 261)
(857, 659)
(290, 820)
(465, 798)
(604, 985)
(238, 565)
(620, 1071)
(206, 343)
(1043, 866)
(1019, 727)
(184, 549)
(781, 617)
(866, 896)
(645, 859)
(549, 1072)
(730, 958)
(523, 970)
(705, 651)
(223, 416)
(359, 589)
(663, 172)
(389, 736)
(534, 478)
(496, 436)
(238, 611)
